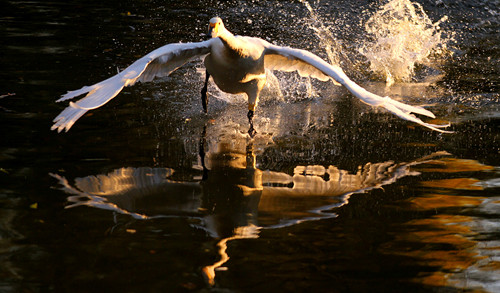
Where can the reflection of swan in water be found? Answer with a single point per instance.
(234, 199)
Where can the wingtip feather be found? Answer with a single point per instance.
(72, 94)
(66, 119)
(404, 113)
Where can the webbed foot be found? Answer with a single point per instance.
(251, 131)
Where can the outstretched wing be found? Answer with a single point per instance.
(308, 64)
(160, 62)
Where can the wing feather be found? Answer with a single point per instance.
(308, 64)
(288, 63)
(158, 63)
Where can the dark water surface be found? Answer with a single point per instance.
(331, 196)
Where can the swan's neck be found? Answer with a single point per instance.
(231, 42)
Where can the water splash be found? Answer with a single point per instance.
(332, 46)
(402, 36)
(326, 39)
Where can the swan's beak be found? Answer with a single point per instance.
(212, 30)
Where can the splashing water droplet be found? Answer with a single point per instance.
(402, 35)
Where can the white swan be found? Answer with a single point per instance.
(237, 64)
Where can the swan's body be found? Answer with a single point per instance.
(237, 64)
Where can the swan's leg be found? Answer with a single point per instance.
(255, 88)
(204, 96)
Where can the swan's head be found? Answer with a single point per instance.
(215, 27)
